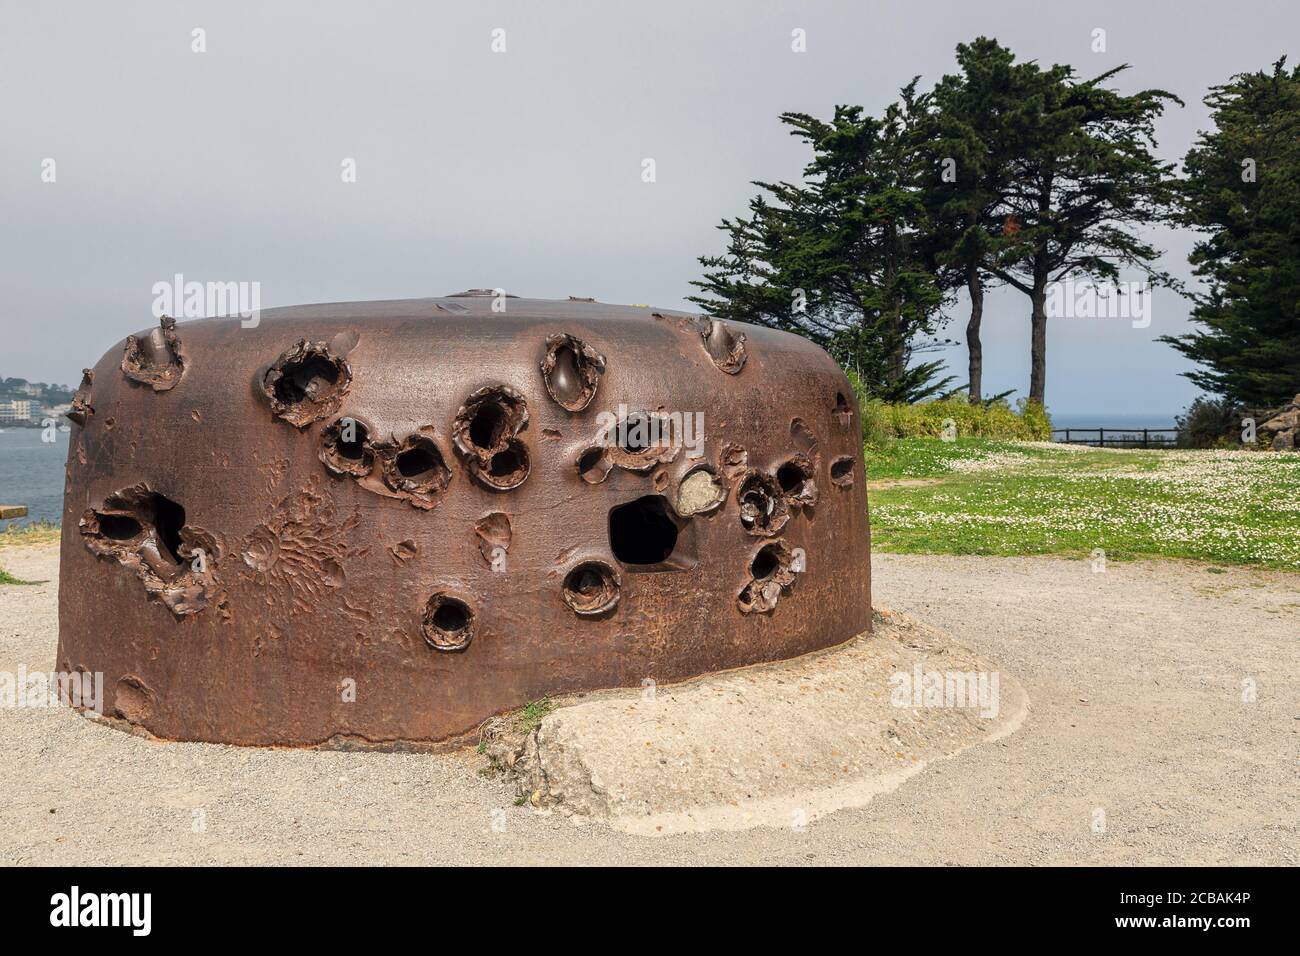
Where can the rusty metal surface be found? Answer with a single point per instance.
(245, 565)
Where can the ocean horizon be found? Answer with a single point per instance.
(1118, 421)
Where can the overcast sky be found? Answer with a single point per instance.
(519, 169)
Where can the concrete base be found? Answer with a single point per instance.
(773, 745)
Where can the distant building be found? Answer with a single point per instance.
(15, 413)
(27, 388)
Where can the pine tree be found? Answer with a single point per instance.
(839, 257)
(1075, 175)
(1242, 189)
(966, 185)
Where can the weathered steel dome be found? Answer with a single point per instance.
(379, 523)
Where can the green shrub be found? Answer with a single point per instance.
(877, 428)
(1208, 423)
(884, 421)
(1036, 420)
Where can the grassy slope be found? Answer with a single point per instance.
(36, 532)
(994, 497)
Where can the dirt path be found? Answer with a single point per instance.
(1135, 678)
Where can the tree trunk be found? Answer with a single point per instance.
(1038, 319)
(973, 345)
(1038, 341)
(900, 346)
(898, 363)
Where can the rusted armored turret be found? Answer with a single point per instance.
(379, 523)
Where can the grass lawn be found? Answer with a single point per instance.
(980, 496)
(34, 532)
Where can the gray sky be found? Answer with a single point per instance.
(519, 169)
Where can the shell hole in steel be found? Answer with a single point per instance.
(699, 492)
(842, 471)
(642, 531)
(504, 464)
(591, 589)
(154, 359)
(791, 478)
(417, 462)
(132, 515)
(590, 460)
(306, 378)
(346, 449)
(725, 348)
(168, 519)
(448, 623)
(355, 449)
(450, 617)
(765, 563)
(119, 527)
(571, 371)
(565, 380)
(585, 582)
(757, 504)
(154, 349)
(634, 433)
(488, 426)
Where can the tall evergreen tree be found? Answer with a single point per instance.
(1072, 175)
(967, 181)
(1242, 187)
(837, 258)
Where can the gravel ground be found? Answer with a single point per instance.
(1138, 748)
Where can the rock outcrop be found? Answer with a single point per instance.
(1284, 426)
